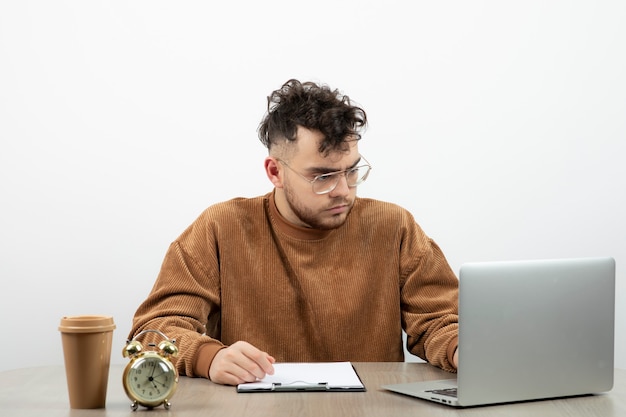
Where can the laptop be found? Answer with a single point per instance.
(529, 330)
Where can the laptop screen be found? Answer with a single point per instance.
(535, 329)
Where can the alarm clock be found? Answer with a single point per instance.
(150, 379)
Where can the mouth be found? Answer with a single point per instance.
(338, 209)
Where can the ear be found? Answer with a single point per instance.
(273, 171)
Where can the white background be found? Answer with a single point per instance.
(501, 125)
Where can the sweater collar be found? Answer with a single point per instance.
(290, 229)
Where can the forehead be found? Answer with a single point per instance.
(307, 154)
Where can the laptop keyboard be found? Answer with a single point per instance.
(450, 392)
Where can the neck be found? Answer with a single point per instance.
(285, 210)
(291, 229)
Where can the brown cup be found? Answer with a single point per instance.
(87, 351)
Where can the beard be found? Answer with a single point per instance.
(317, 220)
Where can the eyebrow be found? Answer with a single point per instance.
(324, 170)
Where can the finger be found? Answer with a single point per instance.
(263, 363)
(245, 362)
(240, 376)
(259, 363)
(227, 369)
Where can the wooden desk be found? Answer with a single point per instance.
(43, 392)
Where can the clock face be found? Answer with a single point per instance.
(150, 379)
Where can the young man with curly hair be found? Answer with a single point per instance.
(308, 272)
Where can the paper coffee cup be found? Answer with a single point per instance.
(87, 344)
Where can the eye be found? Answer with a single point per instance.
(353, 173)
(324, 177)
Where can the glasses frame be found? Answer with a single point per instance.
(334, 173)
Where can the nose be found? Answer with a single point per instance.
(341, 189)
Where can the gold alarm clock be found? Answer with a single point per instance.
(150, 379)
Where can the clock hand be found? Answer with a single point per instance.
(149, 381)
(150, 378)
(157, 378)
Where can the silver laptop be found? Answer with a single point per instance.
(530, 330)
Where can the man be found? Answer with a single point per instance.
(307, 272)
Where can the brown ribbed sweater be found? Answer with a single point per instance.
(242, 272)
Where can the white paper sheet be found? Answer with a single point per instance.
(314, 376)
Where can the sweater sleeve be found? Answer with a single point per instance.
(184, 303)
(429, 296)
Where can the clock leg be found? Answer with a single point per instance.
(167, 405)
(134, 406)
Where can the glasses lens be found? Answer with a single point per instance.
(357, 175)
(327, 182)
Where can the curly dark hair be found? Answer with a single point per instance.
(314, 107)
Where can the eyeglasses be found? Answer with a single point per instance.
(325, 183)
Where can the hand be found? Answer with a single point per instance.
(240, 362)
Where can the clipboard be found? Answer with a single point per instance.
(298, 377)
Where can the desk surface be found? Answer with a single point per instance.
(43, 392)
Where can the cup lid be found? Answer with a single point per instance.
(86, 324)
